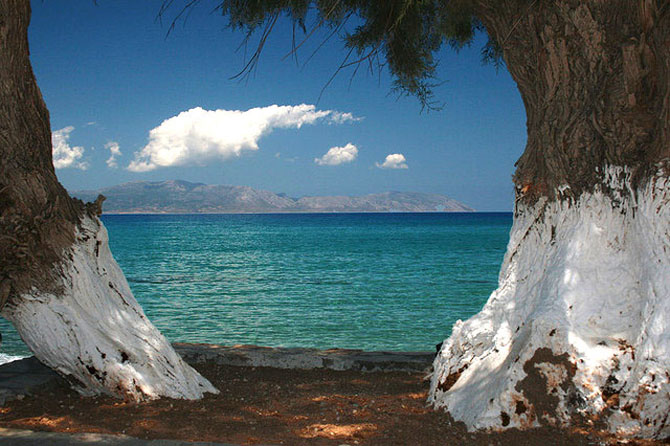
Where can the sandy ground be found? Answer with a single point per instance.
(273, 406)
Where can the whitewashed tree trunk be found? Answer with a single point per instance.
(580, 321)
(94, 332)
(579, 324)
(59, 284)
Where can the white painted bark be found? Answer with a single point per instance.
(94, 331)
(588, 279)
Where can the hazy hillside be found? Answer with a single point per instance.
(180, 197)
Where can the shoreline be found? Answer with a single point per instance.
(340, 212)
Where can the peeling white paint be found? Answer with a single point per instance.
(554, 374)
(95, 332)
(589, 278)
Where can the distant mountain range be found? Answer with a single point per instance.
(182, 197)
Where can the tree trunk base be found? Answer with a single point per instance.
(94, 332)
(579, 325)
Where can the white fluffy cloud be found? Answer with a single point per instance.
(394, 161)
(197, 135)
(341, 118)
(338, 155)
(114, 152)
(63, 154)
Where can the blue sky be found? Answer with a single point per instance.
(166, 106)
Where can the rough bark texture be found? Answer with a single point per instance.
(93, 331)
(59, 284)
(579, 323)
(37, 216)
(595, 80)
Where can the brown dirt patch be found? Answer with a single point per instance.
(273, 406)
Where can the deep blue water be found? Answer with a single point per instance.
(368, 281)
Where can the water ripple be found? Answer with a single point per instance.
(375, 282)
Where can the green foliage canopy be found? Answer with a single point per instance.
(401, 35)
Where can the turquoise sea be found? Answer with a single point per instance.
(366, 281)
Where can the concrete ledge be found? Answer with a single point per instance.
(306, 358)
(19, 378)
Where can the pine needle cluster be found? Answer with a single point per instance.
(403, 36)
